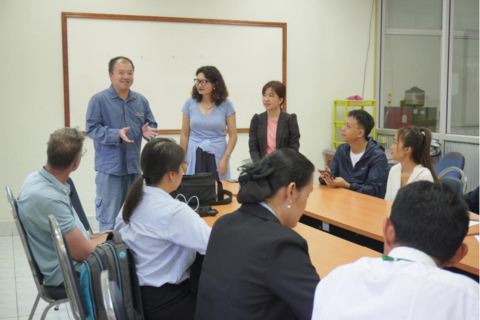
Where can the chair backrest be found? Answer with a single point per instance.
(107, 295)
(68, 271)
(77, 205)
(461, 176)
(37, 275)
(112, 298)
(454, 183)
(451, 159)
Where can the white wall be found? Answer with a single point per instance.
(327, 44)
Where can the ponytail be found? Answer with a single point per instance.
(134, 196)
(159, 156)
(426, 159)
(419, 140)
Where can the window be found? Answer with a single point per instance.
(429, 65)
(464, 75)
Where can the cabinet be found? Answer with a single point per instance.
(340, 113)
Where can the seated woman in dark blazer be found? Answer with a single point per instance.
(256, 266)
(274, 129)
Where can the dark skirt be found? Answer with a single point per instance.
(170, 301)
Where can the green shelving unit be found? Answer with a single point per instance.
(368, 105)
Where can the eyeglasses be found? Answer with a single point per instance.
(200, 82)
(84, 150)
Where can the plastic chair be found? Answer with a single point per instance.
(52, 295)
(77, 205)
(450, 160)
(451, 165)
(112, 298)
(70, 277)
(455, 184)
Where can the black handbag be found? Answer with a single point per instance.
(202, 186)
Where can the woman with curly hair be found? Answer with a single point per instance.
(205, 116)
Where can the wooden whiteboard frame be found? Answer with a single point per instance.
(67, 15)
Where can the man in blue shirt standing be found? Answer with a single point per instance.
(117, 118)
(359, 164)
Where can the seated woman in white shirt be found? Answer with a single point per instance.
(411, 148)
(164, 234)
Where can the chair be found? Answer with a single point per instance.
(52, 295)
(112, 298)
(77, 205)
(451, 165)
(68, 271)
(454, 183)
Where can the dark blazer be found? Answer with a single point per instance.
(288, 134)
(255, 268)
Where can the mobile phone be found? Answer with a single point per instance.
(327, 173)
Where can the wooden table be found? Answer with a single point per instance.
(326, 251)
(364, 215)
(470, 262)
(349, 210)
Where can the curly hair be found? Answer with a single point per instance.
(214, 76)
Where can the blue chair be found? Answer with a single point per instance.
(52, 295)
(451, 165)
(112, 298)
(455, 184)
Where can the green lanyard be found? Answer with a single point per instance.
(388, 258)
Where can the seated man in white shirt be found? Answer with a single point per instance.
(424, 234)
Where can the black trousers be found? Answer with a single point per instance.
(170, 301)
(173, 301)
(206, 163)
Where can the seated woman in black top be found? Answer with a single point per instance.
(256, 266)
(274, 129)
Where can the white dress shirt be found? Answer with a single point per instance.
(372, 288)
(394, 183)
(164, 235)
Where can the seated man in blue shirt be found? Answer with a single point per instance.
(359, 164)
(117, 118)
(45, 193)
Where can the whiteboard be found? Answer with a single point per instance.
(166, 55)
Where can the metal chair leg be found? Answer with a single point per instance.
(44, 314)
(34, 307)
(57, 307)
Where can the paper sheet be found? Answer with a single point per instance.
(473, 223)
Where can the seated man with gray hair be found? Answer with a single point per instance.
(45, 193)
(423, 234)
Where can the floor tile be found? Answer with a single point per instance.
(7, 273)
(7, 285)
(22, 271)
(5, 240)
(51, 315)
(9, 310)
(8, 291)
(25, 304)
(25, 283)
(16, 239)
(6, 251)
(7, 263)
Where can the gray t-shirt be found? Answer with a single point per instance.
(43, 195)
